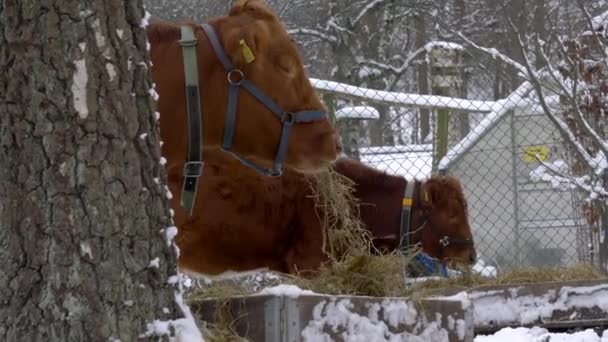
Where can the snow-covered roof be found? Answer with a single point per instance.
(357, 112)
(518, 99)
(409, 161)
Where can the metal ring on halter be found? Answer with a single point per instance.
(288, 117)
(444, 241)
(241, 76)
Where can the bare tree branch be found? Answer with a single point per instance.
(396, 70)
(370, 5)
(534, 79)
(315, 33)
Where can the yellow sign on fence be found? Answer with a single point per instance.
(533, 153)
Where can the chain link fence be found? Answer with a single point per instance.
(498, 149)
(408, 100)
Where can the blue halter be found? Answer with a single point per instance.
(287, 119)
(236, 79)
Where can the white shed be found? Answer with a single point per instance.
(517, 220)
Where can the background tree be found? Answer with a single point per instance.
(577, 74)
(84, 239)
(377, 44)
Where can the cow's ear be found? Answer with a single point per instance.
(430, 192)
(254, 8)
(248, 40)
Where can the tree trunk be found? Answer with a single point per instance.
(82, 194)
(380, 131)
(423, 79)
(462, 124)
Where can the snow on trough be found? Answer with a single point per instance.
(291, 291)
(339, 314)
(492, 307)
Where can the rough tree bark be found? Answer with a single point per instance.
(82, 195)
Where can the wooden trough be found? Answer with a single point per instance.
(283, 318)
(552, 305)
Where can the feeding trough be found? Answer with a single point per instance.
(281, 314)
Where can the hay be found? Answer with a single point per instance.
(361, 274)
(218, 290)
(522, 276)
(355, 267)
(344, 233)
(223, 327)
(549, 274)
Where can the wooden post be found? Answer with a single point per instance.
(446, 66)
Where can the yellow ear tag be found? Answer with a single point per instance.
(426, 197)
(247, 53)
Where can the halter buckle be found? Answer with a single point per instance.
(193, 169)
(288, 118)
(444, 241)
(240, 75)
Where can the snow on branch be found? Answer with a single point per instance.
(555, 173)
(599, 22)
(404, 99)
(536, 82)
(441, 44)
(314, 33)
(396, 70)
(370, 5)
(496, 55)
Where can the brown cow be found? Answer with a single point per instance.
(439, 220)
(250, 222)
(245, 221)
(277, 70)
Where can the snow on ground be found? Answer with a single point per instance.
(537, 334)
(410, 161)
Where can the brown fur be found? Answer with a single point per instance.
(245, 221)
(257, 131)
(212, 231)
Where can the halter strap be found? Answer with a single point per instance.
(429, 264)
(406, 216)
(194, 164)
(287, 119)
